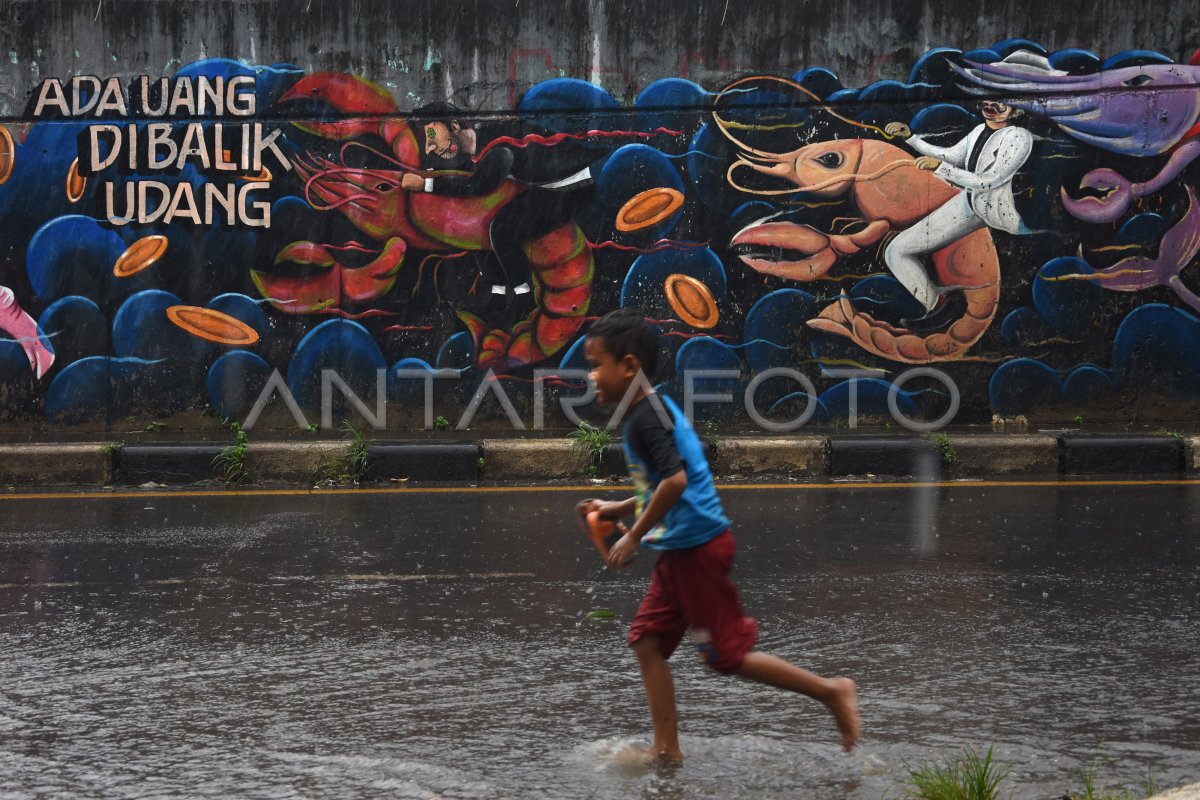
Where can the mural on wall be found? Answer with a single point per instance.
(1021, 220)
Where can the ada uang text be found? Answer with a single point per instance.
(150, 130)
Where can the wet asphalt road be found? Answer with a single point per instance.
(435, 644)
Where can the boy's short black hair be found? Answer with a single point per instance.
(627, 333)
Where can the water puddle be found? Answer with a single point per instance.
(372, 651)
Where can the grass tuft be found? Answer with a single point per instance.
(1092, 788)
(945, 449)
(358, 456)
(591, 443)
(968, 776)
(231, 461)
(352, 464)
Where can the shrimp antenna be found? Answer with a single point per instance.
(373, 151)
(725, 125)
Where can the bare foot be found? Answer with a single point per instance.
(661, 755)
(641, 756)
(844, 706)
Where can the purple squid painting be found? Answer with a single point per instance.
(1115, 193)
(1147, 110)
(1178, 247)
(1100, 109)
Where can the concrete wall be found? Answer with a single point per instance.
(253, 279)
(481, 47)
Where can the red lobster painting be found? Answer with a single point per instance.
(397, 220)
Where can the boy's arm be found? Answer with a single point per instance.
(665, 496)
(617, 509)
(609, 509)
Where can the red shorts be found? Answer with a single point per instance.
(691, 588)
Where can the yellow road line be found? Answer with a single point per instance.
(725, 487)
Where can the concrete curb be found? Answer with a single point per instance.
(894, 456)
(1010, 456)
(795, 457)
(523, 459)
(290, 462)
(544, 459)
(56, 464)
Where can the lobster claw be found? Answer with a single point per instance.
(330, 283)
(346, 95)
(491, 346)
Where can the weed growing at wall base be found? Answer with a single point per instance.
(352, 464)
(591, 443)
(231, 462)
(945, 449)
(358, 455)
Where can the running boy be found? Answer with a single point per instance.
(678, 512)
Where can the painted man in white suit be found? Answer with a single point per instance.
(982, 164)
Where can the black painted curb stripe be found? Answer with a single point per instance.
(1106, 455)
(431, 462)
(164, 463)
(853, 455)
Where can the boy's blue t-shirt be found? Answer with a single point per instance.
(653, 453)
